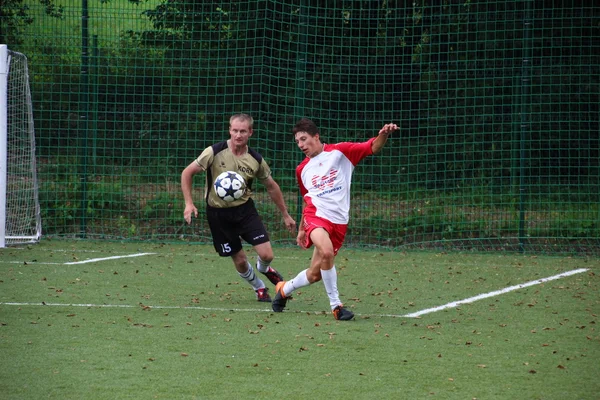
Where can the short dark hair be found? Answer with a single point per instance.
(306, 125)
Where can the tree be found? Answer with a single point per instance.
(15, 17)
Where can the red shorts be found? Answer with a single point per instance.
(337, 232)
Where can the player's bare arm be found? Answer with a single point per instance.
(187, 178)
(382, 137)
(277, 196)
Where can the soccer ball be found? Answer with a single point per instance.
(230, 186)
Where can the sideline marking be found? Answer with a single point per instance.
(107, 258)
(79, 262)
(140, 306)
(412, 315)
(494, 293)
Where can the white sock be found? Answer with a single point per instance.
(330, 282)
(252, 278)
(301, 280)
(261, 265)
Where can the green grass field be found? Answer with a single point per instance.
(81, 320)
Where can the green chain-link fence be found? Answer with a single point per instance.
(498, 104)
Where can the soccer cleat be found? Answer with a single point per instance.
(341, 314)
(274, 276)
(263, 295)
(280, 300)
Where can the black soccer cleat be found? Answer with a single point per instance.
(279, 301)
(274, 276)
(342, 314)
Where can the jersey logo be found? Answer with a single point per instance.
(327, 180)
(246, 170)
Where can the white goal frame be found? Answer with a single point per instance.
(20, 217)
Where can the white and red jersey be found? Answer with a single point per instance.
(325, 179)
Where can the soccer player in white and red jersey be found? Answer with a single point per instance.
(324, 178)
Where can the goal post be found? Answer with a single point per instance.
(20, 218)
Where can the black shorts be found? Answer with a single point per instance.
(229, 225)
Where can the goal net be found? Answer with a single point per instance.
(20, 220)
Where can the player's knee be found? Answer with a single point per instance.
(240, 259)
(265, 252)
(313, 275)
(266, 257)
(327, 255)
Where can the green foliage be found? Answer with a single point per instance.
(164, 207)
(15, 16)
(125, 208)
(481, 124)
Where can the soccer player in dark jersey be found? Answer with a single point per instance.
(324, 178)
(230, 222)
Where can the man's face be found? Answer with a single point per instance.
(240, 132)
(310, 145)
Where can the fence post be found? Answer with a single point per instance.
(84, 107)
(525, 120)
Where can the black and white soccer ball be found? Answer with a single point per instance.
(230, 186)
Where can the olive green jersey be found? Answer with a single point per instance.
(218, 158)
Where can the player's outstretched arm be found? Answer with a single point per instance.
(382, 137)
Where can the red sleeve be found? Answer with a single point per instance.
(355, 152)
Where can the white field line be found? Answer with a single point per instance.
(141, 306)
(107, 258)
(31, 263)
(220, 309)
(494, 293)
(91, 260)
